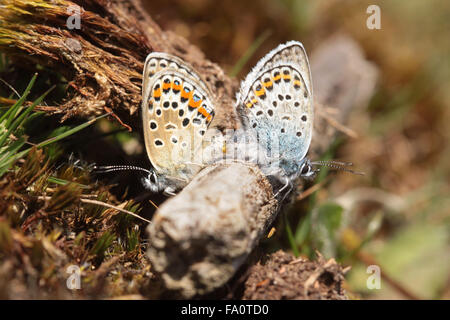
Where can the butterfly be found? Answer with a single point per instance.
(275, 104)
(177, 108)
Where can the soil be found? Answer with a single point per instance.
(283, 276)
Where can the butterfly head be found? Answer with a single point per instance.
(307, 169)
(151, 182)
(157, 184)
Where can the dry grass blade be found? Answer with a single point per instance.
(338, 126)
(107, 205)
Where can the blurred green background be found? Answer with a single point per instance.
(398, 215)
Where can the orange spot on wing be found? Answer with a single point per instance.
(297, 83)
(278, 77)
(287, 76)
(186, 95)
(167, 86)
(268, 84)
(260, 92)
(176, 87)
(249, 104)
(194, 104)
(205, 113)
(157, 93)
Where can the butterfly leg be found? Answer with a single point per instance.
(287, 185)
(169, 191)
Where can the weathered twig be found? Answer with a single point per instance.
(200, 237)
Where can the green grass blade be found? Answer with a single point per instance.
(69, 132)
(290, 236)
(12, 111)
(14, 157)
(8, 152)
(249, 53)
(19, 120)
(64, 182)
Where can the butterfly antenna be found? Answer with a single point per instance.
(105, 169)
(337, 165)
(336, 162)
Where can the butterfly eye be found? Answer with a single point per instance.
(305, 169)
(153, 178)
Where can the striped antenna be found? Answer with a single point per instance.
(337, 165)
(105, 169)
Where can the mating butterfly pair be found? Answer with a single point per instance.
(275, 105)
(275, 101)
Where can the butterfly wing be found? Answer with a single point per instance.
(157, 61)
(293, 52)
(177, 109)
(276, 102)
